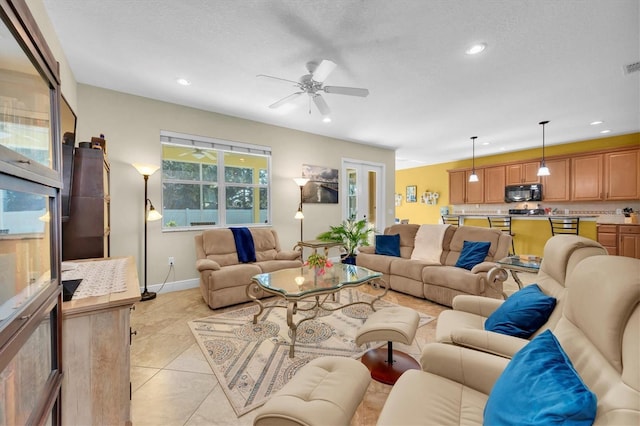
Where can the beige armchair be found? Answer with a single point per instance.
(464, 324)
(598, 329)
(223, 279)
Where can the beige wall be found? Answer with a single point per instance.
(132, 125)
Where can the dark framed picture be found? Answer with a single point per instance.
(322, 186)
(412, 191)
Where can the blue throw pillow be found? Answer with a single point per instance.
(388, 245)
(522, 313)
(473, 252)
(540, 387)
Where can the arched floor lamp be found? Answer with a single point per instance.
(152, 214)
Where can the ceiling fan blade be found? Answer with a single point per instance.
(285, 100)
(351, 91)
(278, 78)
(323, 70)
(321, 104)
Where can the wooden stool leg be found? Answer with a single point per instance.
(386, 365)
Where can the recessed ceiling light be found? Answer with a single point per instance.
(605, 131)
(476, 48)
(595, 123)
(327, 119)
(183, 82)
(485, 143)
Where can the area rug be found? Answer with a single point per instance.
(251, 361)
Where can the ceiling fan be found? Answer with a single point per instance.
(198, 153)
(313, 83)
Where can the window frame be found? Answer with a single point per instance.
(221, 149)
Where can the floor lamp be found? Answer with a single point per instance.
(301, 182)
(147, 170)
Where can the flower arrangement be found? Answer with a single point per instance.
(319, 262)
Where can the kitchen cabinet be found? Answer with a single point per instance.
(461, 191)
(457, 185)
(620, 240)
(556, 187)
(629, 241)
(522, 173)
(474, 190)
(586, 178)
(96, 331)
(622, 175)
(608, 237)
(494, 183)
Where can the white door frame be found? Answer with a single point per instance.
(363, 201)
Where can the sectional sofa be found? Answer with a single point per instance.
(438, 279)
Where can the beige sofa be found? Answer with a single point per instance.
(599, 330)
(438, 281)
(223, 279)
(464, 324)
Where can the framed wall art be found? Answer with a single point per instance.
(322, 186)
(412, 191)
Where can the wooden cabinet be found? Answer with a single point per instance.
(31, 364)
(457, 185)
(556, 186)
(629, 241)
(621, 240)
(622, 175)
(608, 237)
(521, 173)
(475, 190)
(85, 234)
(586, 178)
(608, 176)
(461, 191)
(494, 183)
(96, 388)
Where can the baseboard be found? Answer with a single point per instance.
(174, 286)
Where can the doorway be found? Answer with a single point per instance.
(363, 197)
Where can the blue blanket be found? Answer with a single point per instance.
(244, 245)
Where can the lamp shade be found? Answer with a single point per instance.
(473, 177)
(153, 215)
(299, 215)
(543, 171)
(301, 181)
(145, 169)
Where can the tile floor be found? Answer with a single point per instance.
(173, 384)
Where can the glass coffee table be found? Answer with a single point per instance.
(515, 264)
(317, 290)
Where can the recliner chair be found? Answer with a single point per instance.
(598, 329)
(464, 324)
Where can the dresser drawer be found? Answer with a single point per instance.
(609, 240)
(607, 228)
(629, 229)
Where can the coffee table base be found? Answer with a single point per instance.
(377, 362)
(293, 308)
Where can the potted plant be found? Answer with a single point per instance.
(350, 233)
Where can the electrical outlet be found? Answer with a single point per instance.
(172, 261)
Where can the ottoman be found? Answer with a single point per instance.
(326, 391)
(394, 324)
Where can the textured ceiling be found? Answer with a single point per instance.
(545, 60)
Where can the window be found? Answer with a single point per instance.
(210, 182)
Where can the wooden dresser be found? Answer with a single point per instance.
(620, 239)
(96, 333)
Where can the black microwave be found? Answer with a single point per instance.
(519, 193)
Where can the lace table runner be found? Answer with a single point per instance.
(99, 277)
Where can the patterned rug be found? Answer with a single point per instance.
(251, 361)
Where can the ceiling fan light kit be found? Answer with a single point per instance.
(313, 83)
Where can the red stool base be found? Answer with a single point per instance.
(376, 361)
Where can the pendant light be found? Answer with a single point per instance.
(473, 177)
(543, 170)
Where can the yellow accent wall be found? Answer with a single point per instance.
(434, 178)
